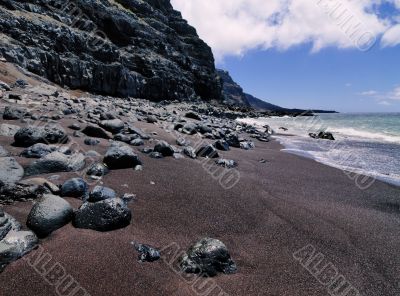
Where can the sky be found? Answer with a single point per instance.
(339, 55)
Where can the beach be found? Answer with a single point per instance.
(276, 209)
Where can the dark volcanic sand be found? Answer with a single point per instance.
(277, 208)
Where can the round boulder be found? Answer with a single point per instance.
(49, 214)
(75, 187)
(208, 257)
(100, 193)
(105, 215)
(121, 156)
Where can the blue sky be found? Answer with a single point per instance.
(342, 80)
(326, 54)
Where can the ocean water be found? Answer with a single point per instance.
(366, 143)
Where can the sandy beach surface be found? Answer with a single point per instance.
(277, 208)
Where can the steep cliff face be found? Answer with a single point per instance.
(116, 47)
(232, 92)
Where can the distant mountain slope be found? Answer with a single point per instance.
(233, 94)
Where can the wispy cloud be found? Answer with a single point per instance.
(383, 98)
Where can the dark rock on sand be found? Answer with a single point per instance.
(164, 148)
(156, 155)
(121, 156)
(75, 127)
(105, 215)
(91, 142)
(16, 245)
(146, 252)
(207, 151)
(227, 163)
(114, 125)
(137, 142)
(38, 150)
(208, 257)
(189, 128)
(193, 115)
(97, 170)
(151, 119)
(233, 140)
(10, 193)
(13, 113)
(49, 214)
(190, 152)
(49, 134)
(75, 187)
(182, 142)
(222, 145)
(247, 145)
(139, 132)
(10, 170)
(56, 162)
(96, 132)
(100, 193)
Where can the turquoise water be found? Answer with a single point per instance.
(366, 143)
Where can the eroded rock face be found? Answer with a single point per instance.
(121, 48)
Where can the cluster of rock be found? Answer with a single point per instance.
(201, 130)
(323, 136)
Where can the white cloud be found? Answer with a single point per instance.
(391, 36)
(233, 27)
(394, 94)
(369, 93)
(383, 98)
(384, 103)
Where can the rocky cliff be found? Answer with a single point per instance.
(115, 47)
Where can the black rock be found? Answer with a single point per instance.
(156, 155)
(16, 245)
(49, 214)
(222, 145)
(13, 113)
(233, 140)
(56, 162)
(208, 257)
(105, 215)
(121, 156)
(49, 134)
(91, 142)
(96, 132)
(10, 193)
(100, 193)
(151, 119)
(190, 128)
(190, 152)
(323, 135)
(207, 151)
(193, 115)
(38, 150)
(114, 125)
(164, 148)
(137, 142)
(146, 252)
(75, 187)
(75, 127)
(247, 145)
(97, 170)
(139, 132)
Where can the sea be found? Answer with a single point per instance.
(365, 143)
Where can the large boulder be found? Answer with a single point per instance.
(49, 134)
(208, 257)
(75, 187)
(96, 132)
(56, 162)
(105, 215)
(114, 125)
(121, 156)
(164, 148)
(13, 113)
(49, 214)
(10, 170)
